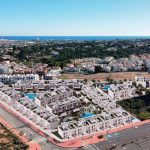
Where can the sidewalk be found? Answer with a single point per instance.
(78, 142)
(32, 146)
(86, 140)
(22, 119)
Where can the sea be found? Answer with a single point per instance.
(84, 38)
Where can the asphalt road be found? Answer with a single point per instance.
(135, 138)
(29, 133)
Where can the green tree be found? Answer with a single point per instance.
(134, 84)
(98, 69)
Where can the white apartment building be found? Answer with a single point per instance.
(53, 74)
(122, 91)
(57, 94)
(140, 80)
(16, 78)
(38, 116)
(60, 98)
(64, 105)
(71, 70)
(29, 85)
(91, 125)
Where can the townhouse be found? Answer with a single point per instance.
(40, 69)
(61, 106)
(55, 95)
(65, 105)
(122, 91)
(94, 124)
(29, 85)
(27, 109)
(15, 78)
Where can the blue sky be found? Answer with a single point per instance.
(74, 17)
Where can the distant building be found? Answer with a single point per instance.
(4, 69)
(141, 80)
(53, 74)
(16, 78)
(71, 70)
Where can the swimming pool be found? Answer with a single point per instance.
(86, 115)
(106, 88)
(31, 96)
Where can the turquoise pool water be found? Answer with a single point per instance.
(31, 96)
(86, 115)
(105, 88)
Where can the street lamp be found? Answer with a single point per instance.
(31, 136)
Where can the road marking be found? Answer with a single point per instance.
(38, 139)
(89, 147)
(95, 147)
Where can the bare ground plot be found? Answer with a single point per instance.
(8, 141)
(102, 76)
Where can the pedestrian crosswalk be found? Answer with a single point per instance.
(91, 147)
(87, 148)
(38, 139)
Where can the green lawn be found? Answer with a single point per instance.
(140, 106)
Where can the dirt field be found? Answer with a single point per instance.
(8, 141)
(102, 76)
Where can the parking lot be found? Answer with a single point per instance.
(135, 138)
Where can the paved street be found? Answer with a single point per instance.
(29, 133)
(137, 137)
